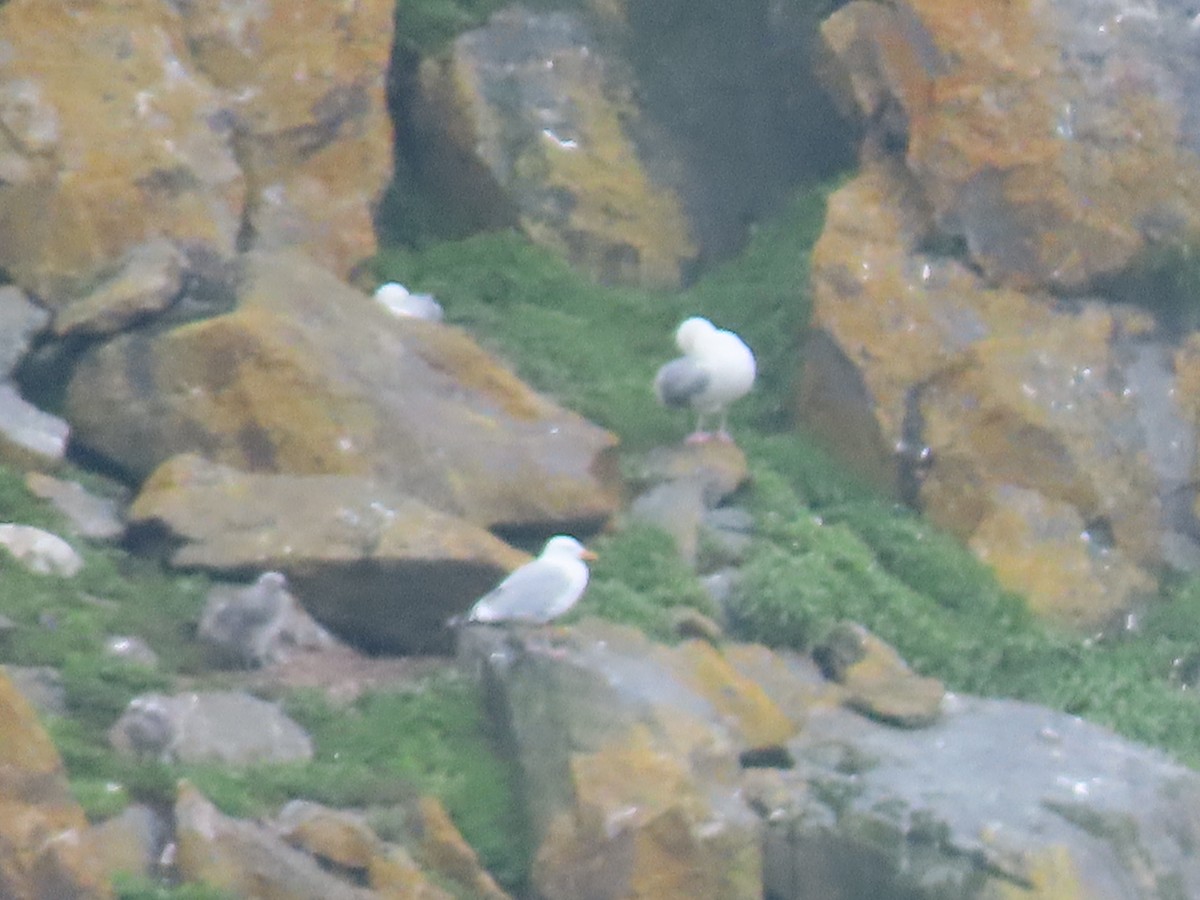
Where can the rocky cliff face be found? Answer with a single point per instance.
(1022, 166)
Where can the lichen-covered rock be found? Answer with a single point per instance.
(878, 681)
(534, 106)
(308, 376)
(206, 126)
(1050, 436)
(144, 281)
(381, 569)
(304, 83)
(248, 859)
(45, 852)
(1059, 142)
(630, 757)
(111, 135)
(998, 799)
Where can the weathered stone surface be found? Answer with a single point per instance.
(382, 570)
(1052, 437)
(28, 435)
(681, 485)
(20, 321)
(143, 282)
(39, 550)
(248, 859)
(630, 754)
(878, 681)
(189, 122)
(442, 849)
(534, 105)
(309, 376)
(304, 82)
(111, 136)
(226, 727)
(44, 851)
(131, 841)
(1058, 141)
(91, 515)
(997, 799)
(343, 839)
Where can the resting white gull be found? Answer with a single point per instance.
(396, 299)
(716, 368)
(538, 592)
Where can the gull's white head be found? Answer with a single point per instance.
(691, 332)
(563, 545)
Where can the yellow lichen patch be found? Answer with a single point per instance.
(632, 778)
(1052, 874)
(1040, 548)
(94, 77)
(24, 744)
(640, 831)
(450, 350)
(742, 702)
(616, 209)
(251, 379)
(444, 850)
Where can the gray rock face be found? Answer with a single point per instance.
(223, 727)
(307, 376)
(998, 791)
(91, 515)
(382, 570)
(20, 320)
(992, 799)
(27, 432)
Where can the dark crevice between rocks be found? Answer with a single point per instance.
(437, 190)
(766, 758)
(734, 118)
(1164, 280)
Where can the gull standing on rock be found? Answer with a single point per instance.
(716, 368)
(538, 592)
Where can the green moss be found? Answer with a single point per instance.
(134, 887)
(428, 26)
(1166, 281)
(596, 349)
(386, 749)
(638, 578)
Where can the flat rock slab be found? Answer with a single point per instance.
(382, 570)
(308, 376)
(998, 794)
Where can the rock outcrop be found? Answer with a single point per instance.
(1022, 168)
(309, 377)
(187, 122)
(381, 569)
(739, 772)
(44, 849)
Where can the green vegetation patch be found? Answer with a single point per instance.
(386, 749)
(638, 579)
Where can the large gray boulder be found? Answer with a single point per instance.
(307, 376)
(383, 570)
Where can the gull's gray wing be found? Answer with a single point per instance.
(530, 593)
(679, 381)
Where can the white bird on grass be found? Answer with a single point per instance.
(716, 369)
(538, 592)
